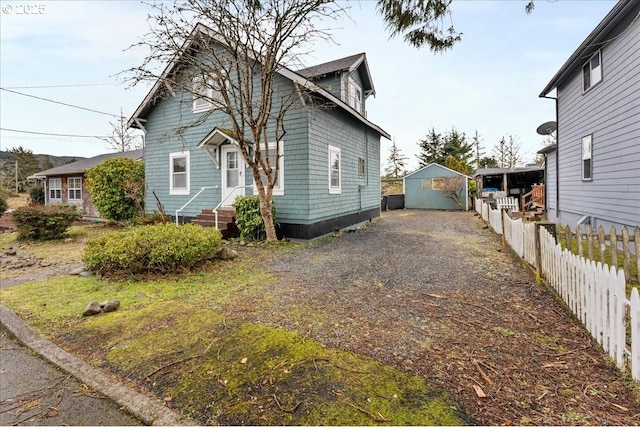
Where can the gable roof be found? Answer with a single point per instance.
(438, 165)
(592, 43)
(148, 102)
(350, 64)
(79, 166)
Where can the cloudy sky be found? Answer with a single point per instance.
(72, 51)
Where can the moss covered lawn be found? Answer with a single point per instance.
(186, 338)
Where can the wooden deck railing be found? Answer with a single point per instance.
(535, 198)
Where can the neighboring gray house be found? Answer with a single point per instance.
(329, 163)
(67, 183)
(593, 172)
(423, 189)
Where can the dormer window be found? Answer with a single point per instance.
(355, 95)
(207, 93)
(592, 72)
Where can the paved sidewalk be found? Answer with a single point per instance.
(34, 392)
(48, 396)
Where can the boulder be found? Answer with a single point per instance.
(227, 253)
(109, 306)
(92, 309)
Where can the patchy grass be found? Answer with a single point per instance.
(68, 249)
(186, 338)
(18, 201)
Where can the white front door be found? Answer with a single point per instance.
(232, 174)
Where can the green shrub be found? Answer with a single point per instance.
(160, 248)
(44, 223)
(117, 188)
(248, 217)
(37, 195)
(3, 205)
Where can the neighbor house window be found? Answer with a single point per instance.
(179, 173)
(362, 171)
(74, 187)
(592, 71)
(207, 93)
(278, 188)
(335, 178)
(587, 164)
(55, 189)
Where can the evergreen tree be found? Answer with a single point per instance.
(397, 166)
(430, 149)
(487, 162)
(27, 164)
(455, 145)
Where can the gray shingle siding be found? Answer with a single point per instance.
(610, 112)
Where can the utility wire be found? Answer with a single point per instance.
(54, 86)
(53, 134)
(58, 102)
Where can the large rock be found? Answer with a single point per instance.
(92, 309)
(109, 306)
(227, 253)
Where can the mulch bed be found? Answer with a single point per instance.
(435, 293)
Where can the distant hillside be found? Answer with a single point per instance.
(55, 161)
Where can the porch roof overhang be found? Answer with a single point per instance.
(212, 142)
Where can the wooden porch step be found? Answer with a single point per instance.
(226, 221)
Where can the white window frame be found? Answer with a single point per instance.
(587, 155)
(594, 72)
(206, 101)
(177, 191)
(278, 189)
(355, 95)
(57, 188)
(335, 189)
(74, 189)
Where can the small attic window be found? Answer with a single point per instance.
(592, 72)
(355, 95)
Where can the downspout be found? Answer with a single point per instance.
(546, 193)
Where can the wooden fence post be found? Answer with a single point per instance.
(626, 249)
(613, 240)
(636, 234)
(538, 253)
(504, 240)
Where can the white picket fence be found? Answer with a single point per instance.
(596, 294)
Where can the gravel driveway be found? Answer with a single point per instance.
(435, 293)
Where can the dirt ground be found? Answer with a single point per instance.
(435, 293)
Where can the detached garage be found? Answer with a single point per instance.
(426, 188)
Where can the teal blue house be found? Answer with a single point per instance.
(425, 188)
(329, 159)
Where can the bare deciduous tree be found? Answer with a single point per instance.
(452, 188)
(229, 54)
(121, 138)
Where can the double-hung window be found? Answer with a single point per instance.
(55, 189)
(270, 153)
(355, 95)
(592, 71)
(179, 173)
(74, 188)
(587, 157)
(207, 93)
(335, 174)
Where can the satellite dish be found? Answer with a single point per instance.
(547, 128)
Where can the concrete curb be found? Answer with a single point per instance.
(147, 410)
